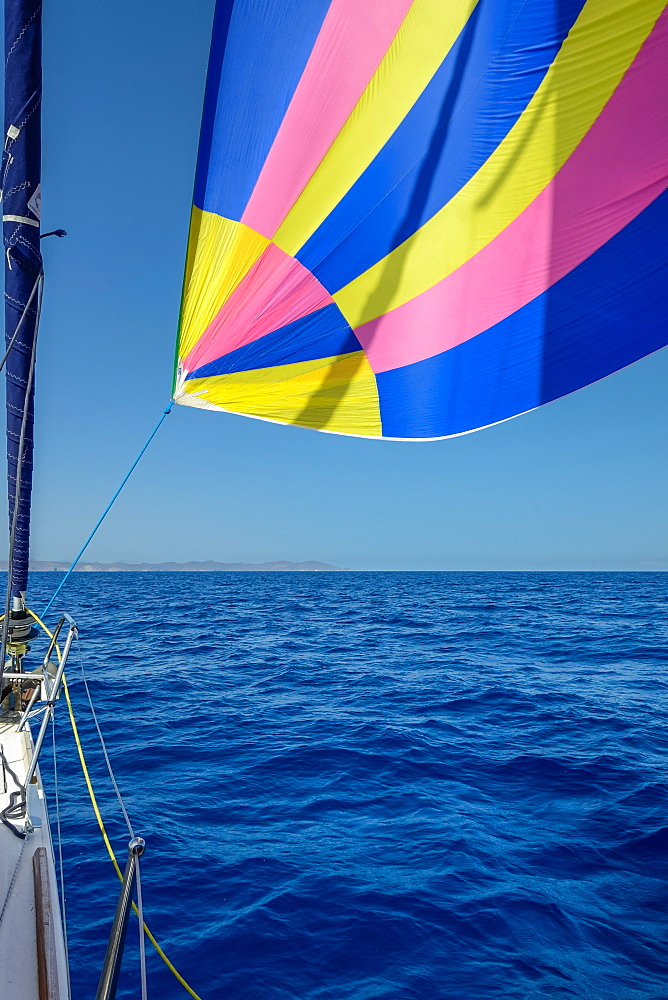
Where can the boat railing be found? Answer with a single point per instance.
(45, 688)
(45, 685)
(51, 700)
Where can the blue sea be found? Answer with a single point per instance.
(374, 785)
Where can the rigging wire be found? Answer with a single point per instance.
(107, 508)
(20, 322)
(19, 469)
(100, 821)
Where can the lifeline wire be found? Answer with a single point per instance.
(108, 508)
(60, 851)
(140, 901)
(100, 821)
(142, 944)
(103, 744)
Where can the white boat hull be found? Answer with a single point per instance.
(33, 956)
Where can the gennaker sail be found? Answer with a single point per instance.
(415, 219)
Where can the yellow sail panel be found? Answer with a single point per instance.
(330, 394)
(221, 252)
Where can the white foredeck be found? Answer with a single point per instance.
(18, 923)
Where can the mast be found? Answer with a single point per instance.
(21, 164)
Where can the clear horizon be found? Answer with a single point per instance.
(63, 565)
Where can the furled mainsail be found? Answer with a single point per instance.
(415, 219)
(23, 261)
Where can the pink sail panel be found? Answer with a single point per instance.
(276, 291)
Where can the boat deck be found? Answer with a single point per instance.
(34, 962)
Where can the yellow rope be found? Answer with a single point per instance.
(100, 821)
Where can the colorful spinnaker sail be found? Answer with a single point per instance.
(415, 218)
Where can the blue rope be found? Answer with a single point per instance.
(107, 509)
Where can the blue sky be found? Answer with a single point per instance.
(580, 484)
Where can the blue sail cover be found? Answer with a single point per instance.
(21, 163)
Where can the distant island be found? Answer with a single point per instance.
(282, 566)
